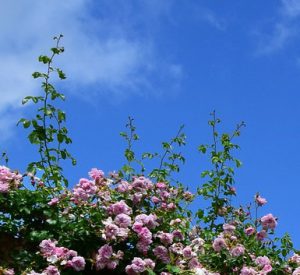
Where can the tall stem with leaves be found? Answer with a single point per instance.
(47, 127)
(219, 187)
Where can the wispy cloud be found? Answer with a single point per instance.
(211, 18)
(284, 30)
(107, 52)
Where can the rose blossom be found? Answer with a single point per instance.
(238, 250)
(161, 253)
(228, 228)
(96, 174)
(78, 263)
(296, 271)
(51, 270)
(218, 244)
(248, 271)
(262, 261)
(261, 235)
(268, 221)
(260, 200)
(123, 220)
(119, 208)
(249, 230)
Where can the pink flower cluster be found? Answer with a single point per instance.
(61, 255)
(84, 190)
(106, 258)
(8, 180)
(263, 267)
(139, 266)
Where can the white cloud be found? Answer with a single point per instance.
(209, 17)
(284, 30)
(291, 8)
(105, 50)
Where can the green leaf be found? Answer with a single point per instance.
(202, 149)
(44, 59)
(61, 74)
(129, 155)
(238, 163)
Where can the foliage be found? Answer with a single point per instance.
(126, 222)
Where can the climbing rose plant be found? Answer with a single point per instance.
(130, 222)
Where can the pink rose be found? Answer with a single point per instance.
(268, 221)
(260, 200)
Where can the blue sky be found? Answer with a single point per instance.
(165, 63)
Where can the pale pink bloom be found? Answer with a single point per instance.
(176, 248)
(78, 263)
(262, 261)
(88, 186)
(123, 187)
(106, 258)
(260, 200)
(111, 231)
(261, 235)
(165, 195)
(145, 239)
(171, 206)
(295, 259)
(194, 263)
(149, 263)
(141, 184)
(197, 245)
(105, 251)
(96, 174)
(162, 254)
(119, 208)
(148, 220)
(250, 230)
(228, 228)
(188, 253)
(160, 185)
(233, 238)
(4, 187)
(137, 227)
(9, 272)
(219, 244)
(155, 199)
(188, 196)
(47, 247)
(296, 271)
(268, 221)
(60, 252)
(53, 201)
(176, 221)
(166, 238)
(178, 235)
(238, 250)
(123, 220)
(7, 176)
(137, 197)
(51, 270)
(139, 265)
(79, 194)
(267, 268)
(248, 271)
(164, 205)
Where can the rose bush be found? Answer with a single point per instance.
(125, 222)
